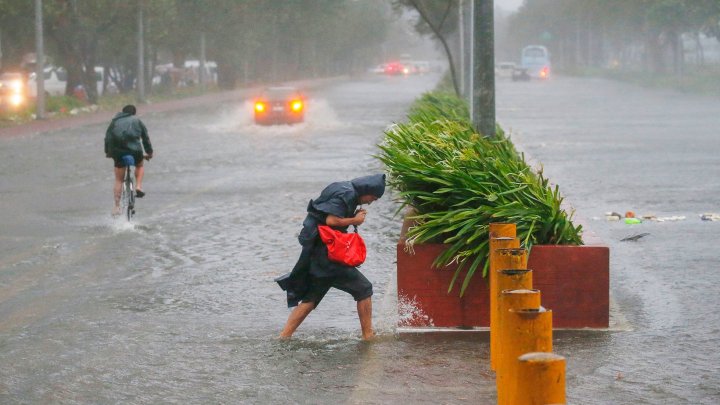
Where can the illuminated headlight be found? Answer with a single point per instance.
(16, 100)
(16, 86)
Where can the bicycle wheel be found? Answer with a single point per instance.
(128, 194)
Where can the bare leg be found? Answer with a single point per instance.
(364, 309)
(139, 173)
(117, 187)
(297, 316)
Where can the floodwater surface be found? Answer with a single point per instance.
(180, 306)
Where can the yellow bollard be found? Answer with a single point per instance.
(524, 331)
(540, 379)
(501, 259)
(515, 298)
(495, 245)
(501, 230)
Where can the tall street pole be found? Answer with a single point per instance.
(461, 31)
(201, 67)
(39, 62)
(140, 55)
(483, 101)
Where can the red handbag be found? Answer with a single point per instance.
(344, 248)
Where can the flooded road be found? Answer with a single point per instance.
(618, 147)
(181, 307)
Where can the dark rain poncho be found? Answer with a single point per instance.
(127, 135)
(341, 200)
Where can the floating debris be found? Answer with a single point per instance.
(634, 237)
(612, 216)
(673, 218)
(632, 221)
(710, 217)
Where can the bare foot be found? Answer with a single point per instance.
(368, 337)
(116, 211)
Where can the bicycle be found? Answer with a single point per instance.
(127, 193)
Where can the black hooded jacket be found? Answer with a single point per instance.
(126, 135)
(341, 200)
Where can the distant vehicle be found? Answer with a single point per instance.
(378, 69)
(536, 59)
(280, 105)
(394, 68)
(520, 75)
(13, 90)
(505, 69)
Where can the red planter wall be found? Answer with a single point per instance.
(574, 282)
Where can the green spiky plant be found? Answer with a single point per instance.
(459, 182)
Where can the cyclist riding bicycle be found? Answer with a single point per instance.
(127, 135)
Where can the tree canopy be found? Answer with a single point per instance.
(252, 40)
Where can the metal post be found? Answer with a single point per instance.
(201, 72)
(510, 299)
(496, 243)
(39, 62)
(540, 379)
(524, 330)
(461, 36)
(504, 259)
(483, 110)
(140, 55)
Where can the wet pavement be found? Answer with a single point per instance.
(180, 307)
(618, 147)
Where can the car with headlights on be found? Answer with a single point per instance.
(279, 105)
(13, 90)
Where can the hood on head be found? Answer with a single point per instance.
(373, 184)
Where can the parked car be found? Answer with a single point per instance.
(55, 81)
(280, 105)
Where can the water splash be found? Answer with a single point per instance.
(410, 313)
(319, 115)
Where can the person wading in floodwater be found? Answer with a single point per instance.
(314, 274)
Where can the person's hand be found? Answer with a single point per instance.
(148, 156)
(360, 216)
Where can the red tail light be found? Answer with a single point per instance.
(259, 106)
(545, 72)
(296, 105)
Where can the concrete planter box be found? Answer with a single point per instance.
(574, 282)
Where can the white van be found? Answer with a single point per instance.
(56, 81)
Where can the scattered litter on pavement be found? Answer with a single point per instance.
(634, 237)
(710, 217)
(672, 218)
(631, 218)
(612, 216)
